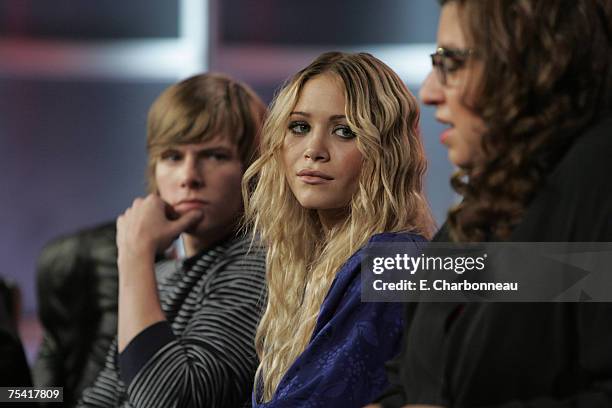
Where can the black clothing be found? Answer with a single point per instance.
(77, 301)
(517, 354)
(14, 370)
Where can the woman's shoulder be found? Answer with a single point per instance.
(397, 237)
(351, 268)
(382, 238)
(590, 154)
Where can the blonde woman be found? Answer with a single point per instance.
(341, 166)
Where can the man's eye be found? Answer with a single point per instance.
(299, 128)
(171, 156)
(344, 132)
(218, 156)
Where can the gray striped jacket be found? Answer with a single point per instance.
(212, 303)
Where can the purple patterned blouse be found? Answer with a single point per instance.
(343, 365)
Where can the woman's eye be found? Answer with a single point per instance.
(344, 132)
(451, 64)
(299, 128)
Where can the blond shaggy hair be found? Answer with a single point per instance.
(200, 108)
(302, 257)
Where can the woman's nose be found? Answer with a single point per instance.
(431, 90)
(316, 148)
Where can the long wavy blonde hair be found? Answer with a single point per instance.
(302, 257)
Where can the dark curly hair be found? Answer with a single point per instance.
(547, 76)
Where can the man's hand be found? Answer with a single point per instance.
(145, 228)
(142, 231)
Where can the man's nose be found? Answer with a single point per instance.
(192, 174)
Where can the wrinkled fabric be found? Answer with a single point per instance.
(343, 365)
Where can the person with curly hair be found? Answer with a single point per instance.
(525, 87)
(341, 166)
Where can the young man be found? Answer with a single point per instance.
(185, 337)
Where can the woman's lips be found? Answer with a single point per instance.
(313, 179)
(444, 136)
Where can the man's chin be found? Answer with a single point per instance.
(198, 229)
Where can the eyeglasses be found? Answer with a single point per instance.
(446, 62)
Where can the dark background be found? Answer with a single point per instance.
(77, 78)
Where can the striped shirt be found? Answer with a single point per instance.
(203, 354)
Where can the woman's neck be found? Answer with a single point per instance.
(332, 218)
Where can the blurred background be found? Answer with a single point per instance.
(77, 78)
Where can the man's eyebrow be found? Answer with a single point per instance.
(214, 149)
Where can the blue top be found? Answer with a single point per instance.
(343, 365)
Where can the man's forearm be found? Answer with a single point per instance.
(138, 298)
